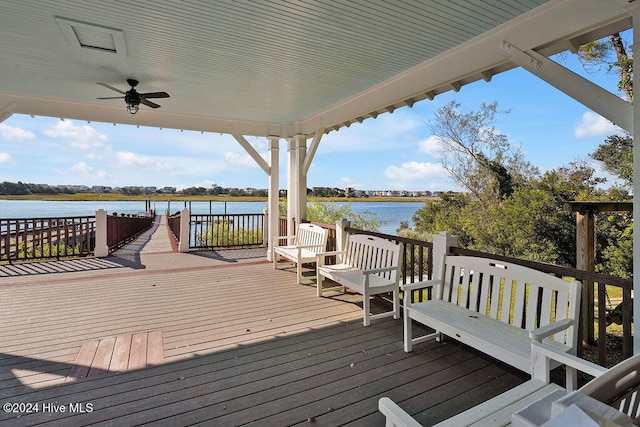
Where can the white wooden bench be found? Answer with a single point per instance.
(498, 308)
(369, 265)
(309, 241)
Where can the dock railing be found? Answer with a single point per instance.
(121, 229)
(24, 239)
(226, 230)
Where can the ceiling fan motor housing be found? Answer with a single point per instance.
(132, 97)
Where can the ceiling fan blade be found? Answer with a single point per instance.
(112, 97)
(149, 103)
(154, 95)
(112, 88)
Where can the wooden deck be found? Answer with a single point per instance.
(242, 344)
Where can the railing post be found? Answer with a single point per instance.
(341, 234)
(442, 244)
(102, 249)
(185, 230)
(265, 228)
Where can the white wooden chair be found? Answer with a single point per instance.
(309, 241)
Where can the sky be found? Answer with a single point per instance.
(396, 151)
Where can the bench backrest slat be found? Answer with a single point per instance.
(507, 295)
(511, 293)
(532, 308)
(547, 303)
(310, 234)
(370, 252)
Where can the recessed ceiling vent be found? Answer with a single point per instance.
(92, 36)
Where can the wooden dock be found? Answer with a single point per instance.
(241, 344)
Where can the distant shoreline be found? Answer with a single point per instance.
(92, 197)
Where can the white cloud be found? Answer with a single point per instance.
(5, 158)
(410, 171)
(237, 159)
(10, 133)
(593, 124)
(81, 167)
(127, 159)
(431, 146)
(414, 176)
(87, 171)
(81, 137)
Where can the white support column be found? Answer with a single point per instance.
(301, 178)
(292, 187)
(185, 223)
(274, 191)
(102, 249)
(636, 175)
(265, 228)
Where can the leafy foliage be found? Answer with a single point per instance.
(224, 233)
(616, 155)
(523, 215)
(330, 212)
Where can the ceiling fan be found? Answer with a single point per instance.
(133, 99)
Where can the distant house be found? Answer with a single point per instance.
(77, 188)
(100, 189)
(151, 189)
(168, 190)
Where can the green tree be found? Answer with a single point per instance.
(616, 155)
(330, 212)
(476, 154)
(599, 53)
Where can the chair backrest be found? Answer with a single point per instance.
(517, 295)
(618, 387)
(310, 234)
(366, 252)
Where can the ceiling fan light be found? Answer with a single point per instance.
(133, 108)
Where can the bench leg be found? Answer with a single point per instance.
(319, 284)
(299, 272)
(366, 307)
(396, 304)
(408, 333)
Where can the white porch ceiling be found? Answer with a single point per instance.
(258, 67)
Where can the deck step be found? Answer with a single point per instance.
(118, 354)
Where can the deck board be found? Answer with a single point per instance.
(235, 342)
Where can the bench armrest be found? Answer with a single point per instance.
(408, 287)
(541, 350)
(319, 245)
(395, 415)
(330, 253)
(379, 270)
(550, 329)
(322, 255)
(278, 238)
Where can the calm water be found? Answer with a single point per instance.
(391, 213)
